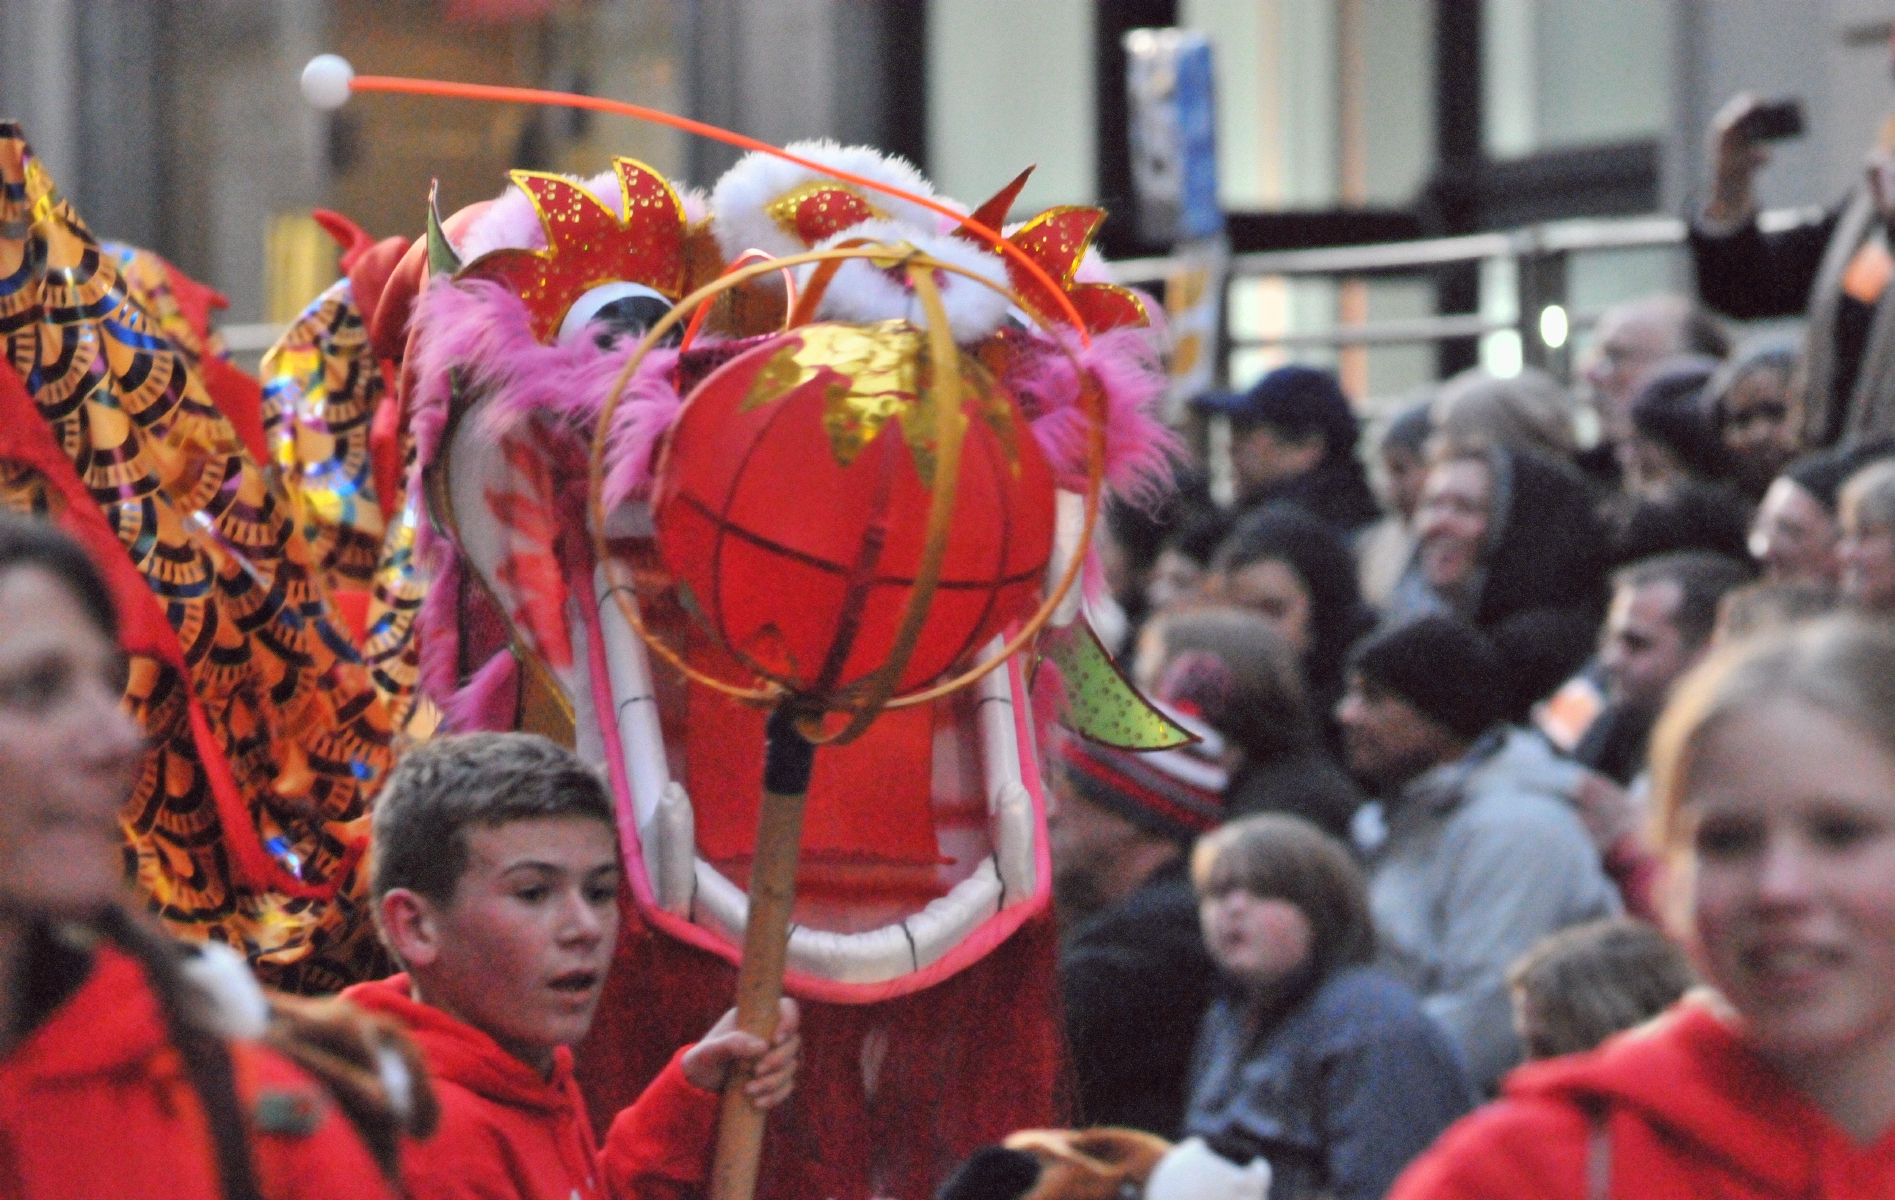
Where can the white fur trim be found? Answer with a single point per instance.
(863, 292)
(238, 1006)
(697, 202)
(1191, 1170)
(398, 1082)
(1093, 268)
(747, 189)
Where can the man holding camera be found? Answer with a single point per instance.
(1837, 269)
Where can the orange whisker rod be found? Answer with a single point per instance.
(520, 95)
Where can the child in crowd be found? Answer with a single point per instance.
(1583, 984)
(495, 877)
(1865, 512)
(1765, 607)
(1320, 1063)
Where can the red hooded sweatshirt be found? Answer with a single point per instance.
(506, 1133)
(1679, 1108)
(96, 1105)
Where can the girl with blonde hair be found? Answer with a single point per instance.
(1774, 781)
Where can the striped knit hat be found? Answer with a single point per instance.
(1175, 794)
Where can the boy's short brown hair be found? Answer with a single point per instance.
(1282, 857)
(443, 787)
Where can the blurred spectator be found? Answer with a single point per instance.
(1501, 532)
(1178, 576)
(1322, 1064)
(1133, 973)
(1673, 438)
(1691, 515)
(1836, 270)
(1757, 412)
(1765, 607)
(1866, 508)
(1231, 669)
(1529, 411)
(1384, 548)
(1539, 650)
(1582, 985)
(1294, 572)
(1658, 626)
(1292, 437)
(1134, 536)
(1795, 534)
(1484, 854)
(1634, 336)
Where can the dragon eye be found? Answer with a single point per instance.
(613, 309)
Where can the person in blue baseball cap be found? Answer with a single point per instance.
(1293, 438)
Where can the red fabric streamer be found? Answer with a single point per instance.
(890, 1096)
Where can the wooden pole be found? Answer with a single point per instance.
(786, 766)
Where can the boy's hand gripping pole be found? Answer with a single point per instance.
(786, 765)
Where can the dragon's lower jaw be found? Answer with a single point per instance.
(617, 723)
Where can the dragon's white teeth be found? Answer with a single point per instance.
(684, 884)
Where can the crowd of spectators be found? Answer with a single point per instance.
(1460, 734)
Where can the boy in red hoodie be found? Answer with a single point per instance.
(495, 876)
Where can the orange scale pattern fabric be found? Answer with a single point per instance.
(267, 737)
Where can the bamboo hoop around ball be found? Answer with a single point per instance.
(624, 592)
(793, 730)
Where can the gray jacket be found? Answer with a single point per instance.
(1484, 857)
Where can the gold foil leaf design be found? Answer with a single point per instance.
(873, 374)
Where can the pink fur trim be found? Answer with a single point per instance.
(437, 624)
(1139, 450)
(697, 203)
(650, 405)
(490, 701)
(480, 330)
(491, 697)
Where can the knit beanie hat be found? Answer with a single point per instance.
(1443, 666)
(1174, 794)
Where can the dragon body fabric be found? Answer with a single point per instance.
(267, 736)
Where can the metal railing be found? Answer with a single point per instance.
(1540, 254)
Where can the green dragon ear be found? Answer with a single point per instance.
(1101, 703)
(441, 256)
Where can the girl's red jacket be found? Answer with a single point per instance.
(95, 1105)
(1679, 1108)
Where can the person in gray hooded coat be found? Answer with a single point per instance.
(1483, 854)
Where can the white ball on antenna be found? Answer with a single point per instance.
(326, 81)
